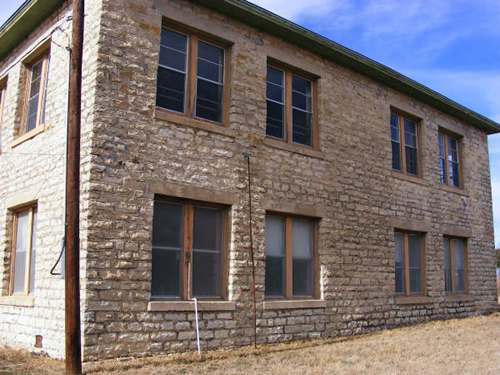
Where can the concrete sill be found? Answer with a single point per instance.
(415, 179)
(413, 300)
(20, 301)
(188, 306)
(180, 119)
(294, 304)
(459, 298)
(27, 136)
(295, 148)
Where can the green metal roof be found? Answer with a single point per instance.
(26, 19)
(33, 12)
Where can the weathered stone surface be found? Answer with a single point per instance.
(127, 152)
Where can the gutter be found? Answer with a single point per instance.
(33, 12)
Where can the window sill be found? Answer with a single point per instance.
(459, 298)
(188, 306)
(17, 300)
(415, 179)
(180, 119)
(27, 136)
(294, 304)
(412, 300)
(452, 189)
(295, 148)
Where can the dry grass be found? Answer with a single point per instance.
(467, 346)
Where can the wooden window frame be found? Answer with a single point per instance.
(3, 91)
(27, 277)
(447, 135)
(193, 37)
(406, 264)
(288, 73)
(44, 57)
(453, 290)
(402, 143)
(288, 284)
(186, 253)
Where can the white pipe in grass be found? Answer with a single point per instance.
(197, 325)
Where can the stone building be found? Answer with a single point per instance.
(371, 194)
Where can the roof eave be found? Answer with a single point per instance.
(270, 23)
(23, 22)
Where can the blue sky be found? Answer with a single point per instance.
(452, 46)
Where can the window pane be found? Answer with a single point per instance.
(170, 89)
(410, 133)
(302, 250)
(209, 100)
(172, 71)
(415, 253)
(442, 158)
(453, 161)
(301, 127)
(395, 142)
(209, 91)
(275, 116)
(165, 270)
(275, 255)
(447, 265)
(396, 157)
(33, 252)
(22, 233)
(275, 103)
(302, 110)
(411, 160)
(208, 227)
(398, 255)
(167, 240)
(459, 265)
(173, 40)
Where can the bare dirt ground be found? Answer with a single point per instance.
(466, 346)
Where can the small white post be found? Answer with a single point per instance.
(197, 325)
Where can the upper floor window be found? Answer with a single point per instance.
(189, 247)
(404, 139)
(35, 97)
(290, 257)
(290, 107)
(22, 273)
(192, 76)
(449, 160)
(409, 263)
(455, 265)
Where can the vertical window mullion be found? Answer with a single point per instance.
(192, 74)
(402, 143)
(288, 258)
(28, 253)
(288, 106)
(186, 276)
(406, 265)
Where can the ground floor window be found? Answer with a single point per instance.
(291, 256)
(22, 275)
(189, 249)
(455, 265)
(409, 263)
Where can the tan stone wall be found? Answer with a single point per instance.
(350, 182)
(129, 154)
(35, 171)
